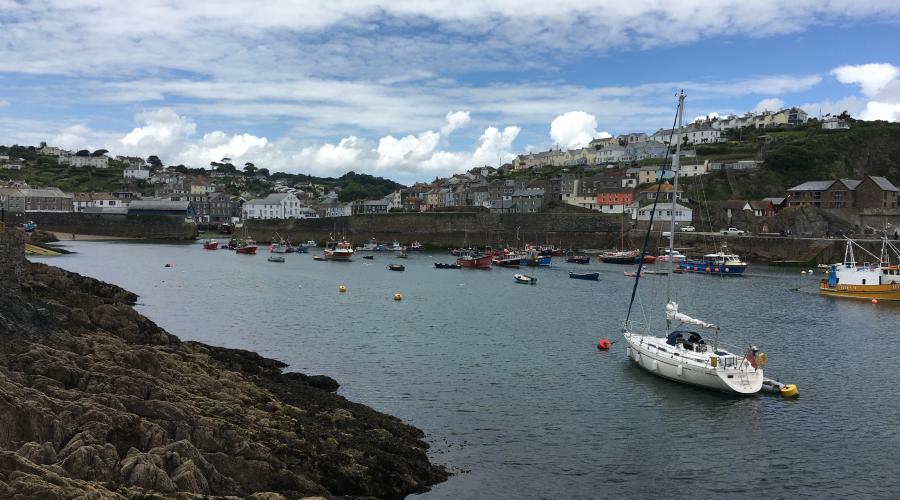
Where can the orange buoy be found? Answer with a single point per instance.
(603, 344)
(874, 301)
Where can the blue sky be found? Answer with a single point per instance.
(412, 90)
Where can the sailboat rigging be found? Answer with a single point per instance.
(683, 355)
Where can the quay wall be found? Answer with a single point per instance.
(441, 230)
(155, 227)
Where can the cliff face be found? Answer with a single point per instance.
(97, 400)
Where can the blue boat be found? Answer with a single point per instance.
(534, 259)
(584, 276)
(719, 264)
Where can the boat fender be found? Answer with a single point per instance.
(679, 370)
(790, 391)
(874, 301)
(342, 288)
(397, 296)
(604, 344)
(761, 359)
(628, 351)
(654, 365)
(713, 361)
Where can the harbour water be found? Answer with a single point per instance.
(507, 383)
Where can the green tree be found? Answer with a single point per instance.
(83, 152)
(154, 161)
(100, 152)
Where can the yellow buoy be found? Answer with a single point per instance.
(397, 296)
(790, 391)
(342, 288)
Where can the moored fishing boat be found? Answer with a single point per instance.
(210, 245)
(247, 247)
(721, 263)
(578, 259)
(511, 260)
(849, 280)
(338, 250)
(584, 276)
(415, 247)
(535, 259)
(443, 265)
(473, 260)
(680, 353)
(276, 258)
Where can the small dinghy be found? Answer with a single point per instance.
(441, 265)
(318, 257)
(578, 259)
(525, 279)
(276, 258)
(584, 276)
(369, 257)
(396, 267)
(402, 255)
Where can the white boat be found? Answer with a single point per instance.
(338, 250)
(395, 247)
(371, 246)
(276, 258)
(679, 352)
(525, 279)
(671, 256)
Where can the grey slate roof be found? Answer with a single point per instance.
(884, 183)
(812, 186)
(158, 205)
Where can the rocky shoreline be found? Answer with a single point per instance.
(97, 401)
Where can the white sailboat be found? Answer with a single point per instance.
(681, 353)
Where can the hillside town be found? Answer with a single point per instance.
(620, 175)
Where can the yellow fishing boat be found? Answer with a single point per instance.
(868, 281)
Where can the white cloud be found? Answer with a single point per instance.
(870, 77)
(3, 103)
(217, 145)
(880, 83)
(455, 120)
(887, 111)
(406, 153)
(770, 104)
(163, 132)
(574, 129)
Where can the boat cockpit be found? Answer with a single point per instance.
(690, 341)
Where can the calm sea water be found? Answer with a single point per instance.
(507, 382)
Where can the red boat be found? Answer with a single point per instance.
(210, 245)
(474, 261)
(247, 247)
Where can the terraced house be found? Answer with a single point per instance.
(871, 192)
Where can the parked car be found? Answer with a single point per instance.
(733, 231)
(666, 234)
(687, 229)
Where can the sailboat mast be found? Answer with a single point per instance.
(675, 162)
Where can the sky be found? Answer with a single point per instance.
(413, 90)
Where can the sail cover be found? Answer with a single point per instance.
(672, 314)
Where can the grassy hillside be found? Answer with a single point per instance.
(44, 171)
(793, 156)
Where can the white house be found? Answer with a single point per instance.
(82, 201)
(682, 214)
(274, 206)
(834, 123)
(140, 173)
(688, 170)
(85, 161)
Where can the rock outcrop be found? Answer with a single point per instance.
(97, 401)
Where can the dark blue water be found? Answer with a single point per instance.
(507, 382)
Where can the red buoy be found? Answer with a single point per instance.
(603, 344)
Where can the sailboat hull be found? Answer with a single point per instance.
(731, 374)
